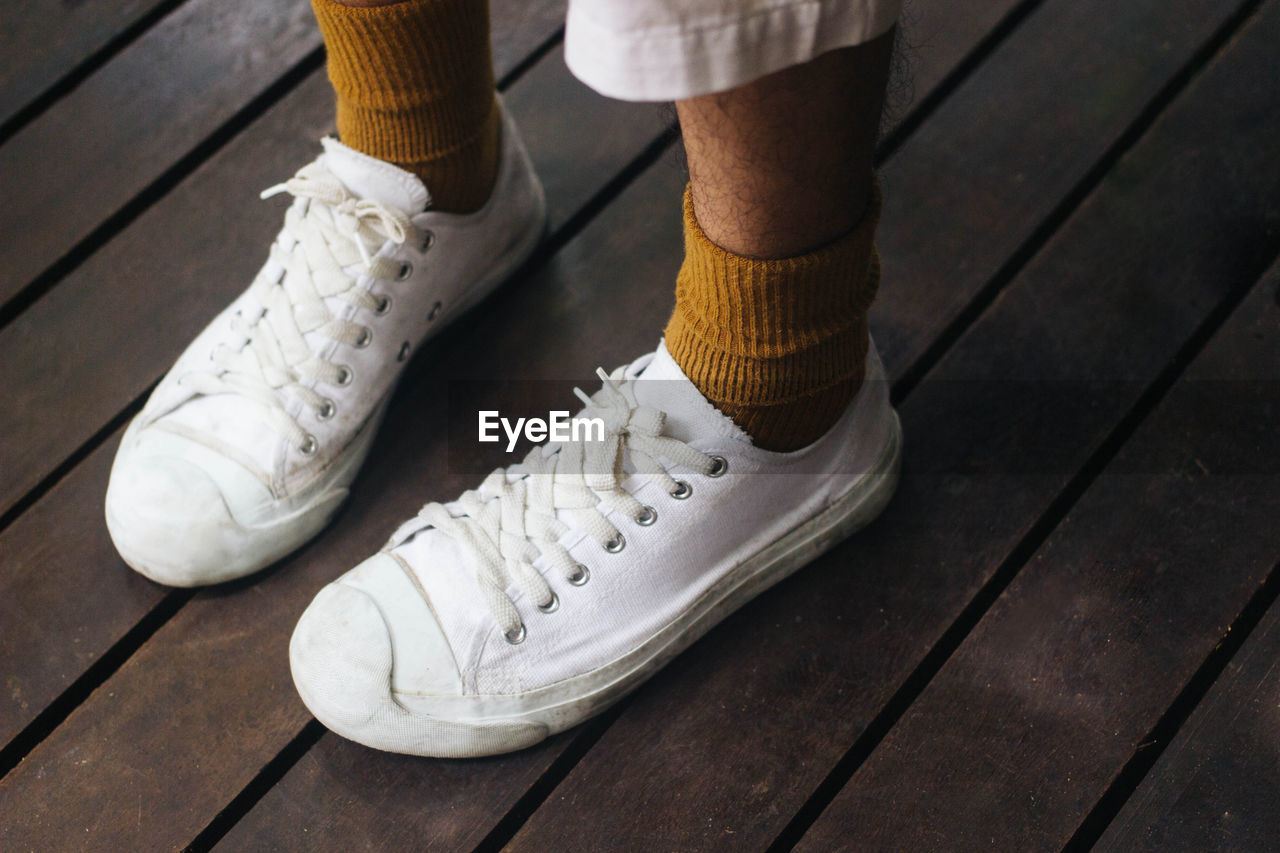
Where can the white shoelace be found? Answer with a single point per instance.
(321, 254)
(512, 517)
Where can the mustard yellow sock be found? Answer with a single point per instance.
(779, 346)
(415, 87)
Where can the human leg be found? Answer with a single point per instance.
(782, 165)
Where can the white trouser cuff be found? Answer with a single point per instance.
(665, 50)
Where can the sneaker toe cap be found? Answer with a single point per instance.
(341, 658)
(365, 640)
(169, 521)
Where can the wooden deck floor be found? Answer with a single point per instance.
(1063, 632)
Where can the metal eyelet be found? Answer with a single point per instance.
(309, 446)
(551, 606)
(404, 352)
(344, 376)
(406, 270)
(366, 338)
(518, 637)
(582, 576)
(616, 544)
(383, 306)
(428, 240)
(718, 466)
(649, 516)
(682, 491)
(434, 312)
(327, 410)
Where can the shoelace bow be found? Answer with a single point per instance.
(511, 518)
(327, 233)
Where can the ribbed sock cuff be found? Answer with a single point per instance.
(779, 346)
(414, 84)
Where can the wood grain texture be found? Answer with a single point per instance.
(934, 38)
(44, 39)
(583, 139)
(86, 157)
(342, 796)
(725, 746)
(136, 302)
(217, 674)
(63, 601)
(1215, 788)
(1011, 142)
(120, 130)
(1022, 731)
(97, 318)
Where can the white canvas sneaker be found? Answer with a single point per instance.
(248, 446)
(526, 606)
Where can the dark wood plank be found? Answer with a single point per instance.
(1215, 787)
(221, 662)
(725, 746)
(61, 402)
(96, 314)
(575, 163)
(77, 164)
(58, 613)
(155, 102)
(934, 40)
(45, 39)
(1011, 143)
(1022, 731)
(1017, 737)
(344, 797)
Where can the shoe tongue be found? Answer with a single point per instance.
(690, 416)
(368, 177)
